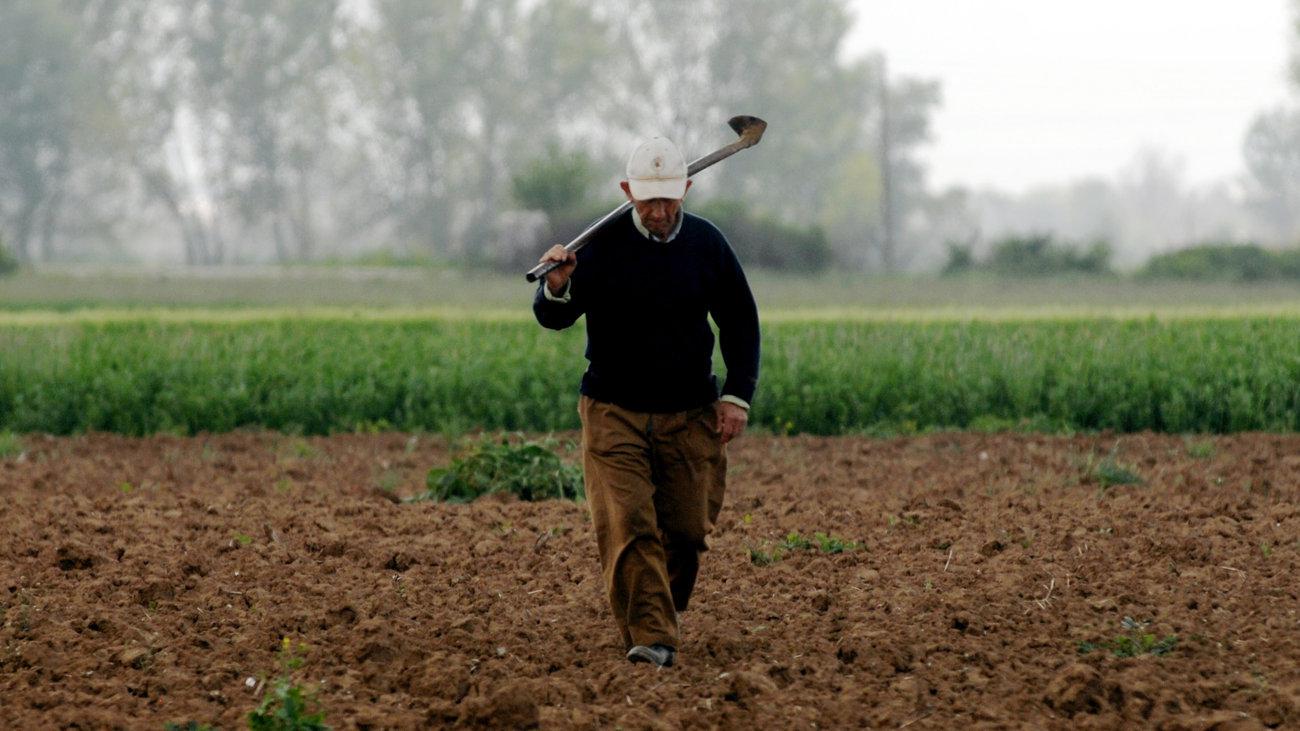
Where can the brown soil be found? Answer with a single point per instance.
(145, 581)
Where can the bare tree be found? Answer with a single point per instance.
(42, 86)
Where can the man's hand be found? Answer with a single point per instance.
(731, 420)
(558, 277)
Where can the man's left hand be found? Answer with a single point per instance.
(731, 420)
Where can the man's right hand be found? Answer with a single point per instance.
(557, 278)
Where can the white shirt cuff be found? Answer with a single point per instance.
(735, 400)
(565, 296)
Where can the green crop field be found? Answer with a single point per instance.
(327, 370)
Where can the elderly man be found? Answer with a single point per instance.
(654, 426)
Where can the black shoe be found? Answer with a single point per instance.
(660, 655)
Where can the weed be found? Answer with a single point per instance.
(388, 481)
(763, 558)
(187, 726)
(298, 449)
(243, 539)
(530, 470)
(832, 544)
(1136, 641)
(794, 542)
(1200, 450)
(11, 445)
(1109, 472)
(1265, 549)
(285, 706)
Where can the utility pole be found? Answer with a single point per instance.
(886, 172)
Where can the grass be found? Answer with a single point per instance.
(309, 375)
(451, 289)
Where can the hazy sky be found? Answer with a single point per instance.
(1038, 91)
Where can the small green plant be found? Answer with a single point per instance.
(388, 481)
(1200, 450)
(1136, 641)
(833, 544)
(530, 470)
(11, 445)
(285, 706)
(188, 726)
(298, 449)
(243, 539)
(1108, 471)
(794, 542)
(763, 558)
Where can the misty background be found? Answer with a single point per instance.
(223, 132)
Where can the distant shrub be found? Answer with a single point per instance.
(558, 183)
(1031, 255)
(961, 259)
(1038, 254)
(1224, 262)
(765, 241)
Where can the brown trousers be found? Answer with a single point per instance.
(654, 486)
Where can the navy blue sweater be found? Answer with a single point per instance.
(647, 304)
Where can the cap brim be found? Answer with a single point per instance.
(644, 190)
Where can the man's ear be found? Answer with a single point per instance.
(627, 190)
(688, 187)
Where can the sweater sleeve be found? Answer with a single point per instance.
(736, 314)
(557, 313)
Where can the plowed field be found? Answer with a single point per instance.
(153, 580)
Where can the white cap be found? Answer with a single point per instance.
(656, 169)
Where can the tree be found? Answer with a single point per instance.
(225, 112)
(690, 64)
(1272, 153)
(472, 85)
(1295, 46)
(263, 65)
(42, 85)
(902, 125)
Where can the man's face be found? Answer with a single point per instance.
(657, 214)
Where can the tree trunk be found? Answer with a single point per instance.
(22, 240)
(50, 222)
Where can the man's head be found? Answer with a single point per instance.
(656, 183)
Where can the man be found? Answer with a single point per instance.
(654, 428)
